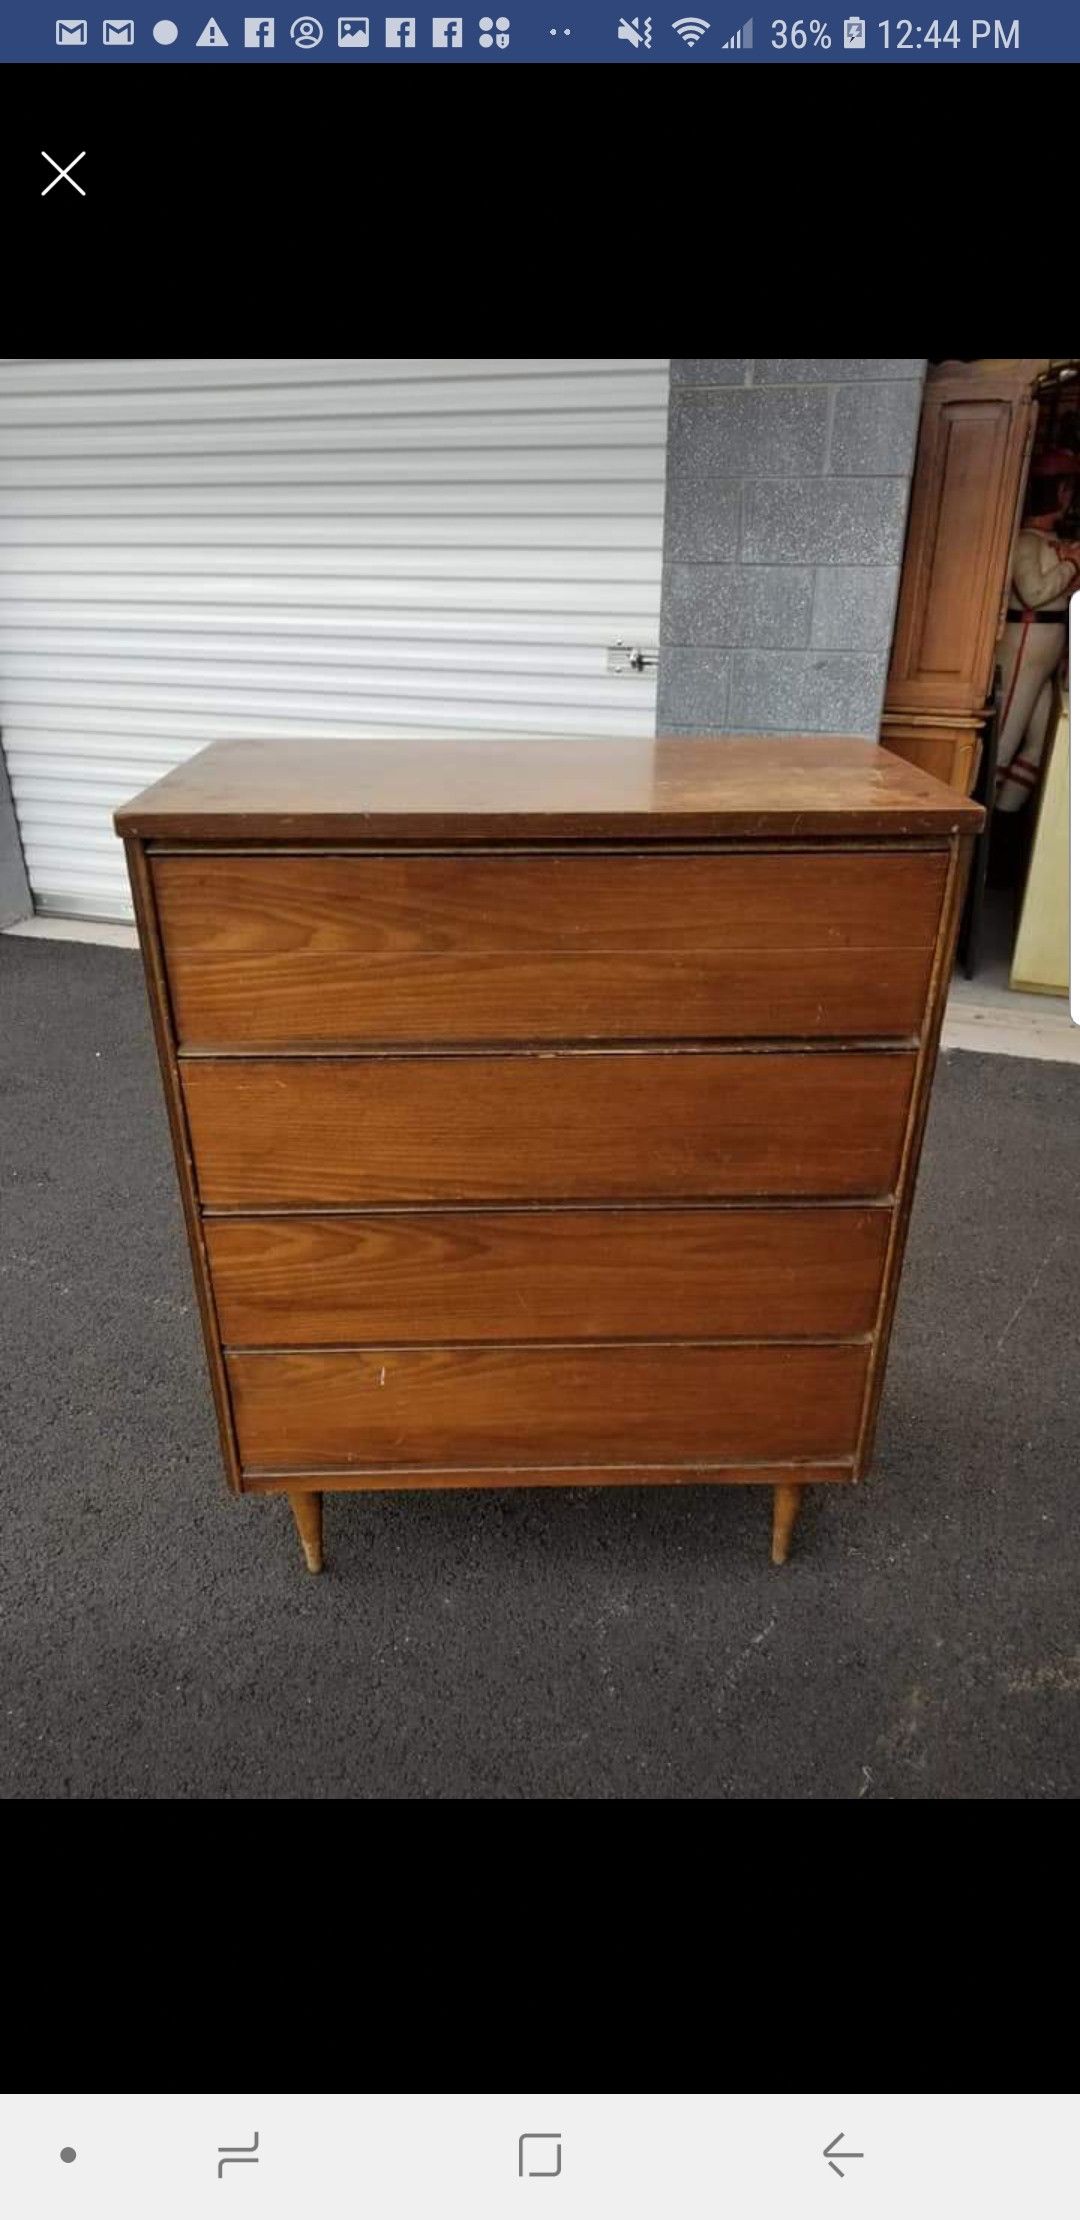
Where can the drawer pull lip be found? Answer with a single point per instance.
(540, 1209)
(683, 1464)
(543, 1341)
(764, 1044)
(593, 1464)
(267, 1480)
(837, 844)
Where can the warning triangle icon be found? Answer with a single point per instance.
(213, 35)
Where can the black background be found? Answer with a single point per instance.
(586, 210)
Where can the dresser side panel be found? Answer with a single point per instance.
(926, 1063)
(164, 1041)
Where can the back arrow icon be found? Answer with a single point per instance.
(831, 2147)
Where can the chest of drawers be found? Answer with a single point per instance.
(546, 1113)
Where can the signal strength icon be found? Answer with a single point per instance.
(742, 39)
(691, 28)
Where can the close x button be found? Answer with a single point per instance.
(63, 173)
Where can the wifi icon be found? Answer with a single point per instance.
(691, 28)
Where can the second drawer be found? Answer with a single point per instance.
(523, 1275)
(619, 1127)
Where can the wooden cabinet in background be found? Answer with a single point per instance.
(978, 422)
(949, 749)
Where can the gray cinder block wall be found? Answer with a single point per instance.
(787, 493)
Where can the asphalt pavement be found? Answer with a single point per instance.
(159, 1639)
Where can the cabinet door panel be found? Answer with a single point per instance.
(974, 443)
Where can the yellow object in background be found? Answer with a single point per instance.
(1040, 962)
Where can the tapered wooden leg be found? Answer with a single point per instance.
(307, 1511)
(786, 1502)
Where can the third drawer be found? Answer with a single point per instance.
(524, 1275)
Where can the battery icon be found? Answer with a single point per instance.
(854, 30)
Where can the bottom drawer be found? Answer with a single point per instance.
(685, 1403)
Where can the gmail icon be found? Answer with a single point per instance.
(71, 34)
(118, 31)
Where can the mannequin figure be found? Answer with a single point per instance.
(1046, 573)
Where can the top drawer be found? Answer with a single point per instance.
(334, 951)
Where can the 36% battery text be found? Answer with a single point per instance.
(801, 33)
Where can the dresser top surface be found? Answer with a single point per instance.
(532, 789)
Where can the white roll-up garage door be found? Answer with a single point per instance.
(286, 547)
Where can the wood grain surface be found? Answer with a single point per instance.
(521, 1275)
(546, 1128)
(315, 951)
(975, 435)
(495, 789)
(513, 1406)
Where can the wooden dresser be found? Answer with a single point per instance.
(546, 1112)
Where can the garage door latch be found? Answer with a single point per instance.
(621, 659)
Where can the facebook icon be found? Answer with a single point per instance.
(401, 30)
(258, 30)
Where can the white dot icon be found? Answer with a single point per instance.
(165, 32)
